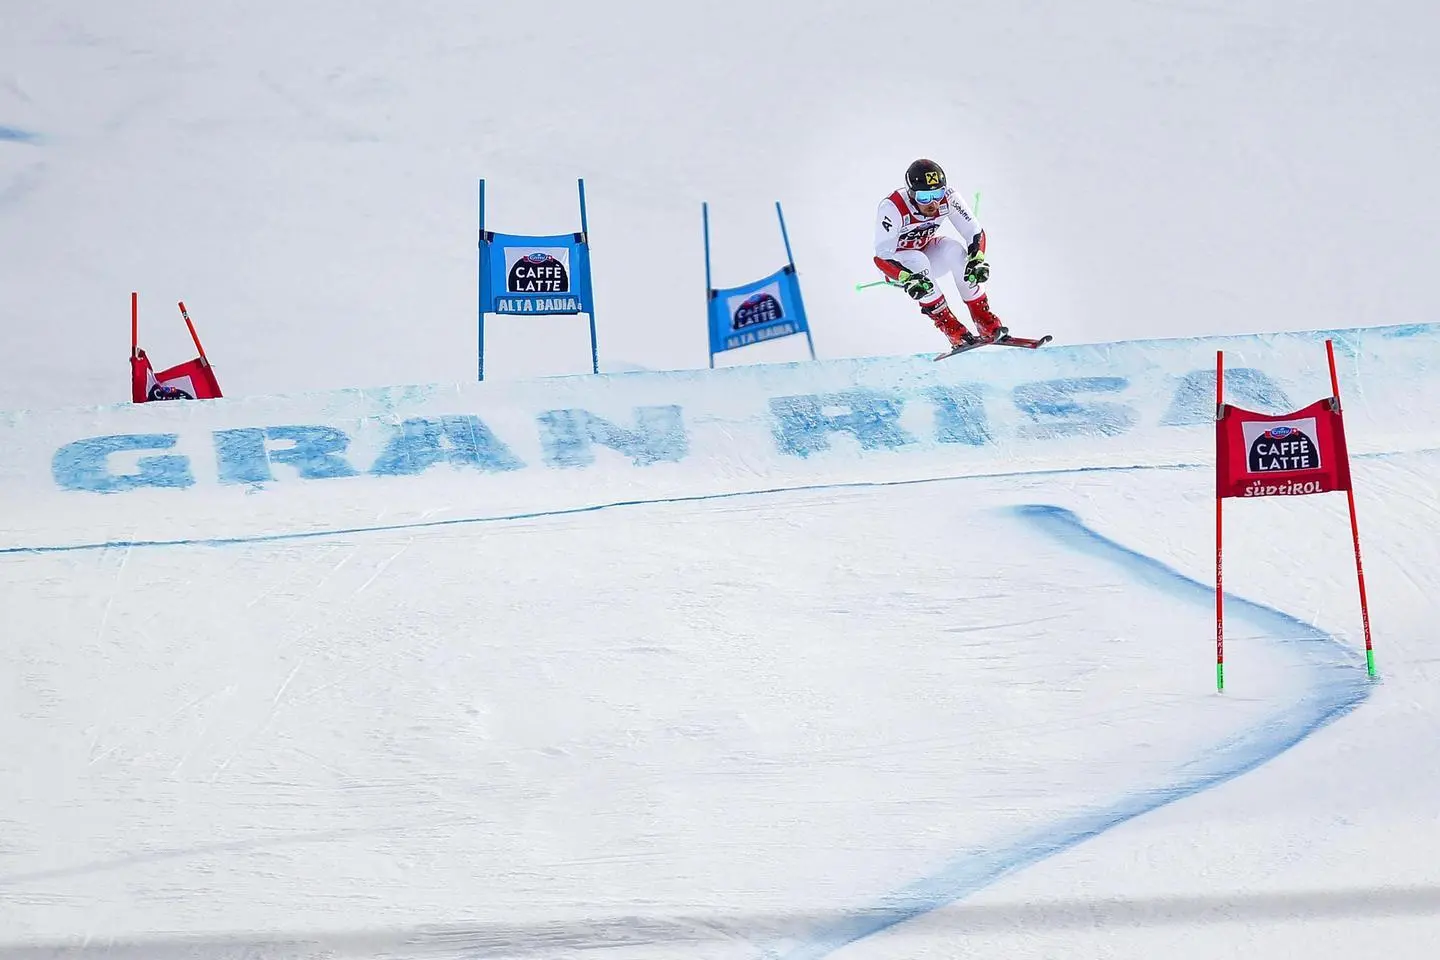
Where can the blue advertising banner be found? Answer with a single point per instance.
(764, 309)
(536, 275)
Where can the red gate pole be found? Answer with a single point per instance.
(1219, 530)
(193, 335)
(134, 324)
(1354, 527)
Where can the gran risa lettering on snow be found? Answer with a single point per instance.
(795, 426)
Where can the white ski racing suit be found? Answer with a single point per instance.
(906, 237)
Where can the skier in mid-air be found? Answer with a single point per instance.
(911, 254)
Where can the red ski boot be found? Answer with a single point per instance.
(947, 323)
(986, 322)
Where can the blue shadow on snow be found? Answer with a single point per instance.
(1338, 685)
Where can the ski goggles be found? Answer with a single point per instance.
(930, 196)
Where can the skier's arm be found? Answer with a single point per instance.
(887, 230)
(976, 269)
(888, 256)
(964, 223)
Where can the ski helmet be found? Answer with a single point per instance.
(924, 175)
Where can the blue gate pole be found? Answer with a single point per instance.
(790, 258)
(585, 232)
(784, 235)
(709, 321)
(480, 276)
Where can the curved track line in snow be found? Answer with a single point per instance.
(1337, 687)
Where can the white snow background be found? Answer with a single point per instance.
(950, 695)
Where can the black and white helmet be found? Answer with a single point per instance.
(925, 181)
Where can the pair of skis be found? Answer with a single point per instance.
(1004, 340)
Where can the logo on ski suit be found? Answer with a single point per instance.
(916, 229)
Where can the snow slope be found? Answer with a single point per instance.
(867, 658)
(871, 658)
(304, 177)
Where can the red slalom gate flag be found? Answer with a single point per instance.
(1281, 455)
(191, 380)
(1289, 454)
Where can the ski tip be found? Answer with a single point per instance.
(1027, 342)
